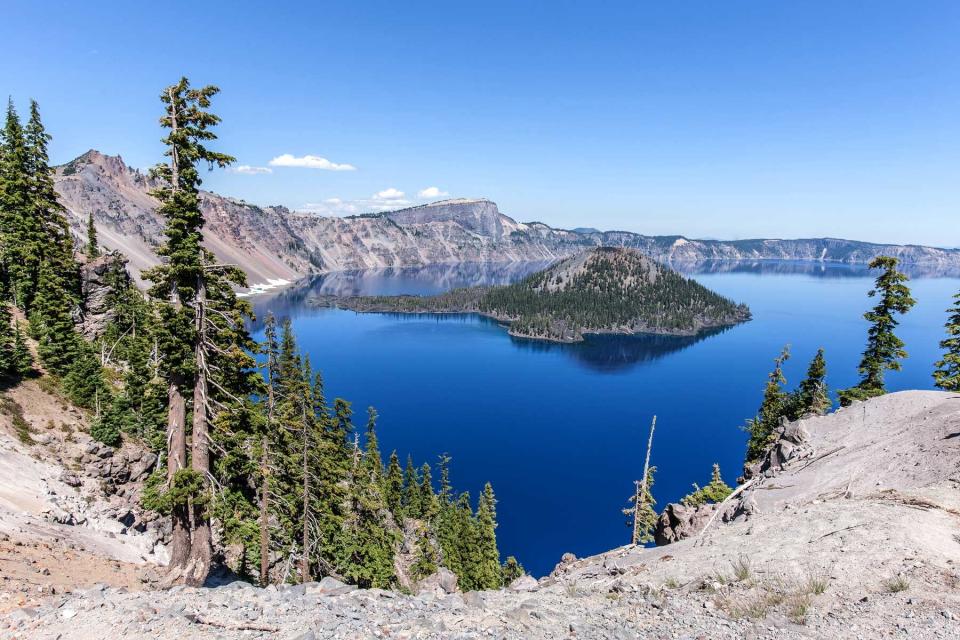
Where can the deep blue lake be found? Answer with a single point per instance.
(560, 430)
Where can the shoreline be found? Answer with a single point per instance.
(574, 336)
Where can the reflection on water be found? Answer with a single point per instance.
(427, 280)
(808, 268)
(617, 353)
(600, 353)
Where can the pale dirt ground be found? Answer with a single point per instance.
(858, 538)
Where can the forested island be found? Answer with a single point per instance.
(602, 290)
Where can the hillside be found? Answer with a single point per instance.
(274, 244)
(851, 532)
(602, 290)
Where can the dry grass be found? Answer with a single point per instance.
(798, 606)
(816, 582)
(12, 408)
(742, 569)
(896, 584)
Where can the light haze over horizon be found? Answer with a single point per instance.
(709, 120)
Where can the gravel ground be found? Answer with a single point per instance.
(855, 535)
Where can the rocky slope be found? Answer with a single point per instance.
(275, 245)
(68, 505)
(850, 530)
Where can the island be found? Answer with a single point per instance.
(604, 290)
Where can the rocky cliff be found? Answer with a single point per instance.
(275, 244)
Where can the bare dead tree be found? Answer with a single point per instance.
(640, 498)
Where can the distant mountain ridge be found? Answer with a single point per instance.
(274, 243)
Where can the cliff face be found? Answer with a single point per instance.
(274, 243)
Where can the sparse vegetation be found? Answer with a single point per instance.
(798, 607)
(896, 584)
(742, 568)
(12, 408)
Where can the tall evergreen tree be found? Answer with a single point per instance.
(411, 491)
(884, 349)
(812, 396)
(22, 358)
(489, 573)
(51, 322)
(429, 504)
(775, 406)
(190, 283)
(643, 520)
(393, 487)
(367, 552)
(8, 362)
(93, 247)
(18, 225)
(947, 373)
(48, 232)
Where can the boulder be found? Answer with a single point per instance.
(678, 521)
(524, 583)
(142, 467)
(328, 586)
(439, 583)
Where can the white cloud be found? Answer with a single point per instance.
(250, 171)
(389, 194)
(386, 200)
(309, 162)
(432, 192)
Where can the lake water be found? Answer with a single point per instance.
(560, 430)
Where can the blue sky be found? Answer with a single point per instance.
(709, 119)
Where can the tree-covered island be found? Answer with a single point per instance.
(603, 290)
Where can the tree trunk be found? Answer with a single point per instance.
(201, 549)
(177, 460)
(641, 498)
(264, 515)
(305, 560)
(177, 408)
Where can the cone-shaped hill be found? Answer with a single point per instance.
(603, 290)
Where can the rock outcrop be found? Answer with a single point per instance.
(99, 279)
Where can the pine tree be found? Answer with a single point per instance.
(51, 323)
(93, 248)
(368, 548)
(393, 487)
(884, 349)
(8, 362)
(812, 396)
(643, 520)
(429, 504)
(464, 549)
(18, 232)
(511, 570)
(775, 406)
(947, 374)
(412, 507)
(427, 559)
(191, 284)
(371, 457)
(48, 232)
(716, 491)
(22, 358)
(489, 574)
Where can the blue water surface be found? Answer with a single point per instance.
(560, 430)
